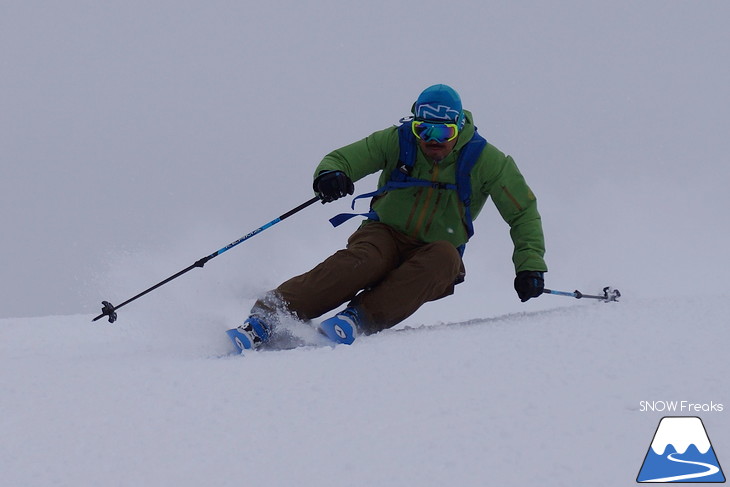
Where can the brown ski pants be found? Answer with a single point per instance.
(385, 274)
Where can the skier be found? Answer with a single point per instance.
(409, 249)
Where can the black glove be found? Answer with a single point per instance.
(331, 185)
(529, 284)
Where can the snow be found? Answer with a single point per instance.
(138, 137)
(536, 398)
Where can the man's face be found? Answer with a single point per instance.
(436, 151)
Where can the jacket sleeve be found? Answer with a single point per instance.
(517, 205)
(366, 156)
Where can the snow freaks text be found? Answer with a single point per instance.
(687, 407)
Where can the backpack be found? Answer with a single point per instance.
(400, 177)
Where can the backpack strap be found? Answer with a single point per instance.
(408, 149)
(467, 158)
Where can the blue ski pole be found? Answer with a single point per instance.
(110, 310)
(609, 294)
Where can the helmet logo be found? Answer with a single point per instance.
(438, 112)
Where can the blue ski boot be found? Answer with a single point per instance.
(343, 327)
(250, 335)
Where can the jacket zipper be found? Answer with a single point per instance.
(429, 194)
(419, 193)
(433, 212)
(512, 198)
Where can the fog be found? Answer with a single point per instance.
(136, 137)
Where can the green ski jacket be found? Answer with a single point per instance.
(429, 213)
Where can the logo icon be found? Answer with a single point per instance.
(439, 112)
(681, 452)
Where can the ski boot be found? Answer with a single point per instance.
(343, 327)
(250, 335)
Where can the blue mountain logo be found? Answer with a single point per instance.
(681, 452)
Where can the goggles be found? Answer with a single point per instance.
(436, 132)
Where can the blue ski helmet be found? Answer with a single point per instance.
(439, 103)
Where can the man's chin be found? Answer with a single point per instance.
(436, 151)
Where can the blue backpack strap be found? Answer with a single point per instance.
(467, 158)
(341, 218)
(407, 156)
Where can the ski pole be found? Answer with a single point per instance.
(609, 294)
(110, 310)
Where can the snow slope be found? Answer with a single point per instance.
(541, 398)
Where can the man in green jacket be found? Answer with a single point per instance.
(408, 251)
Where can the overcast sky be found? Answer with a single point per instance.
(138, 136)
